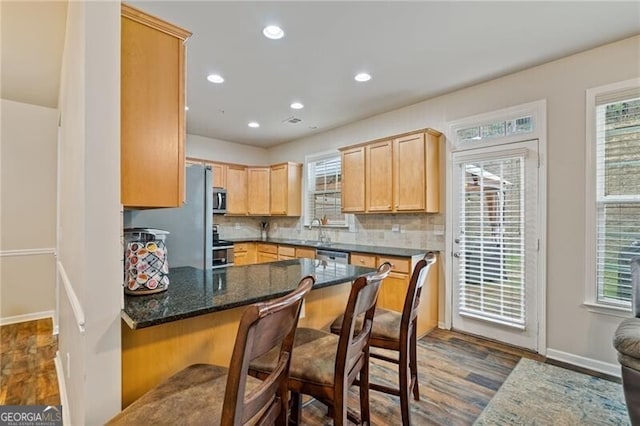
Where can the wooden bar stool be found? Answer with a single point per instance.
(212, 395)
(396, 331)
(325, 365)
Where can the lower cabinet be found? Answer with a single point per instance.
(267, 253)
(244, 253)
(303, 252)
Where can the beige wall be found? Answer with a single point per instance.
(89, 244)
(28, 209)
(571, 328)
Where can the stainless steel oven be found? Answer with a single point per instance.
(221, 254)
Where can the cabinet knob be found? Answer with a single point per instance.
(361, 260)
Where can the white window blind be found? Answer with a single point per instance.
(324, 185)
(617, 154)
(492, 219)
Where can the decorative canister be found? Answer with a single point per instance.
(146, 267)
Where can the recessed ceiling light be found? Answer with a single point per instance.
(296, 105)
(253, 124)
(215, 78)
(273, 32)
(363, 76)
(186, 108)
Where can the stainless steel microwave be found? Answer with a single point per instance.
(219, 201)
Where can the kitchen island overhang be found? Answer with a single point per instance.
(193, 292)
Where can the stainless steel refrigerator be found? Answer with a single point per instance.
(190, 226)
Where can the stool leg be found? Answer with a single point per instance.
(403, 369)
(296, 408)
(413, 365)
(365, 414)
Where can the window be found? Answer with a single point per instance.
(498, 129)
(323, 194)
(615, 169)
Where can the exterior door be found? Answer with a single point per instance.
(495, 247)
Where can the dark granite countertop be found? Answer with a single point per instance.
(194, 292)
(358, 248)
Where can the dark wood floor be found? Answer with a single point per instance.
(459, 374)
(27, 369)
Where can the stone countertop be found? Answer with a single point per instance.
(194, 292)
(356, 248)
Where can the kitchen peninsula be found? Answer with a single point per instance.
(196, 319)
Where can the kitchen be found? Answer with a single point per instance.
(562, 83)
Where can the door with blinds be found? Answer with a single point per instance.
(495, 248)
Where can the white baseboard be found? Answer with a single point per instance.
(580, 361)
(28, 317)
(62, 388)
(442, 326)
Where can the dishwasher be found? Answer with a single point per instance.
(333, 256)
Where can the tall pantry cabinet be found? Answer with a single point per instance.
(152, 111)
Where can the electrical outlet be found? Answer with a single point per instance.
(237, 225)
(438, 230)
(395, 227)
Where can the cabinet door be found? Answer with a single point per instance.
(393, 291)
(219, 175)
(258, 191)
(279, 189)
(379, 177)
(353, 180)
(267, 257)
(240, 258)
(152, 122)
(236, 190)
(305, 252)
(409, 173)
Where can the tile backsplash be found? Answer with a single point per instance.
(422, 231)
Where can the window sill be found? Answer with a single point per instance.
(608, 310)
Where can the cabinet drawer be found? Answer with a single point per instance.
(240, 247)
(363, 260)
(268, 248)
(398, 264)
(286, 251)
(305, 252)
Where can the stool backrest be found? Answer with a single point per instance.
(353, 346)
(263, 326)
(412, 299)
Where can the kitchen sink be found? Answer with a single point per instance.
(307, 243)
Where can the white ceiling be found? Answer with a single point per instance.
(414, 50)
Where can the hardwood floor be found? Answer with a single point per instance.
(458, 374)
(27, 369)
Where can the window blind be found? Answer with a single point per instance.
(617, 194)
(324, 186)
(492, 221)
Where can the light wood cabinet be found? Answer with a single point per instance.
(244, 253)
(286, 189)
(286, 252)
(379, 177)
(152, 122)
(219, 175)
(258, 191)
(393, 175)
(236, 190)
(267, 252)
(303, 252)
(353, 180)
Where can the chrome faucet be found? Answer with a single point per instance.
(320, 234)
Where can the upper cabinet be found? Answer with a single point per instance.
(353, 176)
(219, 175)
(258, 191)
(236, 189)
(286, 189)
(152, 111)
(394, 175)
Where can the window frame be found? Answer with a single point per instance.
(591, 300)
(308, 215)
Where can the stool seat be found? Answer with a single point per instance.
(191, 396)
(386, 327)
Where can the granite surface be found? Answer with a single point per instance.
(194, 292)
(356, 248)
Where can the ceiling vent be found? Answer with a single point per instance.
(292, 120)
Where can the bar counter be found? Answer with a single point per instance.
(194, 292)
(196, 319)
